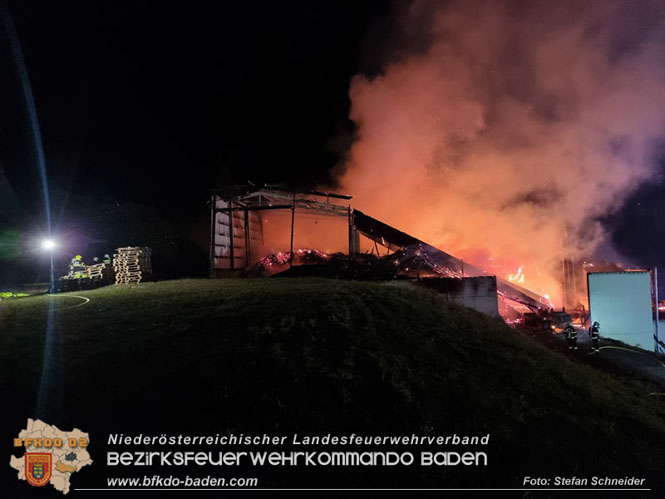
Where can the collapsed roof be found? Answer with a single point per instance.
(231, 204)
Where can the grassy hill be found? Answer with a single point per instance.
(315, 356)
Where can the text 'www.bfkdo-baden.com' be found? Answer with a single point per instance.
(165, 482)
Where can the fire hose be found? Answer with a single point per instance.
(652, 394)
(635, 351)
(85, 302)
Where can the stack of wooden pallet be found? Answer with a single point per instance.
(132, 265)
(102, 272)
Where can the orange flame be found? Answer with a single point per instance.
(483, 155)
(517, 278)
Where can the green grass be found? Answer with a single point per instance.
(318, 356)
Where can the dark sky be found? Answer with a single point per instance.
(161, 102)
(158, 102)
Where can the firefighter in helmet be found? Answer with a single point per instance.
(77, 269)
(570, 333)
(106, 259)
(595, 337)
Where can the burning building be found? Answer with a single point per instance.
(499, 132)
(505, 131)
(280, 228)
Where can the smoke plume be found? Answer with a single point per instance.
(511, 128)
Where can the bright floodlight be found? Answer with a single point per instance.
(48, 244)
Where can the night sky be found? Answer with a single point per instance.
(155, 103)
(160, 104)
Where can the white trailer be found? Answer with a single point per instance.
(622, 303)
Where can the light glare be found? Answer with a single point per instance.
(48, 244)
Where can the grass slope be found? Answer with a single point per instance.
(316, 356)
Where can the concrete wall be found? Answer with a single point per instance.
(478, 293)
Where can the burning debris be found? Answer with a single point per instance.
(421, 261)
(276, 259)
(303, 256)
(280, 261)
(412, 262)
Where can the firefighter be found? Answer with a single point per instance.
(74, 262)
(570, 333)
(77, 269)
(107, 259)
(595, 337)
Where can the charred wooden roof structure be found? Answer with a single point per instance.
(235, 226)
(234, 218)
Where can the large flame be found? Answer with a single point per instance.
(512, 124)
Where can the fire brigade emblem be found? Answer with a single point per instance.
(38, 468)
(51, 455)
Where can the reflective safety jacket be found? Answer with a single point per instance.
(77, 268)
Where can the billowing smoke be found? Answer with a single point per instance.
(513, 127)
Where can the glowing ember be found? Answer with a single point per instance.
(306, 252)
(302, 255)
(281, 258)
